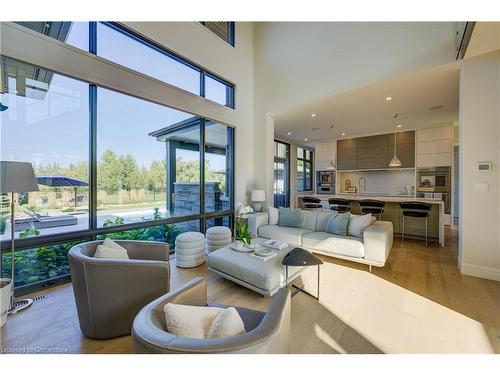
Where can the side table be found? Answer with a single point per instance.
(300, 258)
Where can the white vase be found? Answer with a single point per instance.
(239, 244)
(5, 292)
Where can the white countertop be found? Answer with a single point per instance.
(383, 198)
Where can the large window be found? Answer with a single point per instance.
(223, 29)
(75, 34)
(132, 164)
(114, 42)
(281, 183)
(304, 169)
(116, 45)
(108, 165)
(45, 120)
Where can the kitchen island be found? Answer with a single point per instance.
(415, 227)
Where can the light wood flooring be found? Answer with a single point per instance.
(419, 302)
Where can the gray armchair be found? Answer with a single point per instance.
(267, 332)
(110, 292)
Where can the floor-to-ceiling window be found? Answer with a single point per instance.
(281, 183)
(304, 169)
(108, 164)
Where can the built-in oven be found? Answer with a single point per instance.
(435, 183)
(435, 179)
(325, 182)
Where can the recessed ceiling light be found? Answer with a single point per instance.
(289, 133)
(343, 133)
(313, 114)
(388, 99)
(305, 139)
(399, 126)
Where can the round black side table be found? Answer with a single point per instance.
(299, 257)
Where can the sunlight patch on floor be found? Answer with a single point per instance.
(392, 318)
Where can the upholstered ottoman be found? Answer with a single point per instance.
(189, 250)
(217, 238)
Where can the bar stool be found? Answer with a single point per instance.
(372, 206)
(415, 209)
(339, 205)
(311, 203)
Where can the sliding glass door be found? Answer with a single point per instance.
(281, 184)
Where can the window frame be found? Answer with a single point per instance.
(305, 161)
(286, 161)
(93, 229)
(148, 42)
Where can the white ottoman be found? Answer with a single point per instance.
(189, 250)
(217, 238)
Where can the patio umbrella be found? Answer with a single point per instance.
(57, 180)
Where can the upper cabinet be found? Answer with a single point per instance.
(347, 154)
(434, 147)
(405, 148)
(375, 152)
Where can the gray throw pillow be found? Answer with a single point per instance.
(338, 224)
(290, 217)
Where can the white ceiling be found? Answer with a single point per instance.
(365, 111)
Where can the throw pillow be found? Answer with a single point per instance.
(358, 224)
(190, 321)
(274, 215)
(228, 323)
(112, 244)
(337, 224)
(110, 253)
(290, 217)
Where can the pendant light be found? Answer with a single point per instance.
(395, 162)
(331, 164)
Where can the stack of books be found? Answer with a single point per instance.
(275, 244)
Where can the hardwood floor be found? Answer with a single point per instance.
(419, 302)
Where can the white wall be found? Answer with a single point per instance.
(300, 62)
(479, 244)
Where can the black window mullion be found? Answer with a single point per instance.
(202, 83)
(93, 157)
(202, 166)
(93, 37)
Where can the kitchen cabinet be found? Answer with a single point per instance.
(405, 148)
(375, 152)
(434, 147)
(347, 154)
(372, 152)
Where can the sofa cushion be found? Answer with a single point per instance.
(349, 246)
(228, 323)
(274, 215)
(321, 220)
(190, 321)
(358, 224)
(110, 252)
(309, 220)
(290, 217)
(337, 224)
(287, 234)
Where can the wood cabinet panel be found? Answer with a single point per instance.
(433, 134)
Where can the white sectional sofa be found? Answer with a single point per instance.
(373, 249)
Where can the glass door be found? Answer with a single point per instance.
(281, 185)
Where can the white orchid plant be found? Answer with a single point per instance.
(241, 231)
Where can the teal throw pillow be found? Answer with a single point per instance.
(290, 217)
(338, 224)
